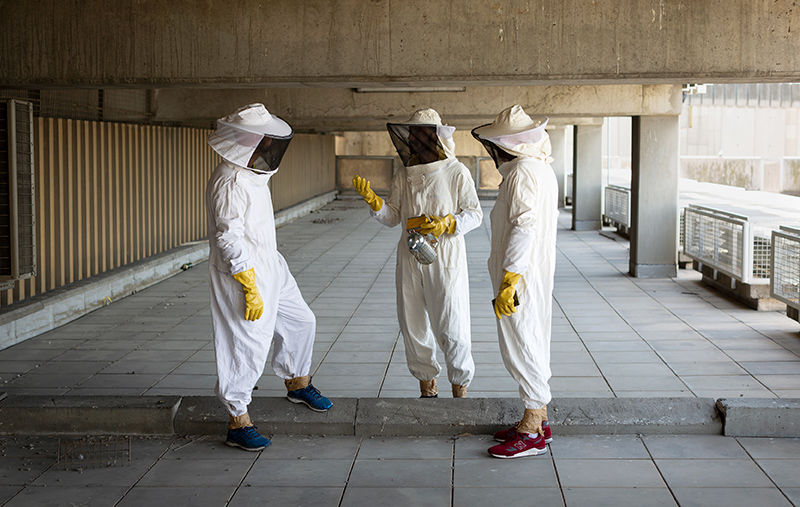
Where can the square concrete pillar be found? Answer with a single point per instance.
(654, 197)
(558, 142)
(587, 178)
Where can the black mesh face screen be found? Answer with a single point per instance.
(269, 153)
(499, 155)
(416, 144)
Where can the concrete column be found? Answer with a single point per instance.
(587, 177)
(654, 197)
(558, 141)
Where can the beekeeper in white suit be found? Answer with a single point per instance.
(433, 299)
(255, 302)
(522, 266)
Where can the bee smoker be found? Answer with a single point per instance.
(421, 246)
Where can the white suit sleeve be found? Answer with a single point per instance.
(470, 214)
(229, 203)
(522, 195)
(389, 214)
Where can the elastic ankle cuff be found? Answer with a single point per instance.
(428, 387)
(239, 421)
(531, 422)
(293, 384)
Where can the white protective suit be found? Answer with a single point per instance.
(433, 300)
(241, 228)
(524, 226)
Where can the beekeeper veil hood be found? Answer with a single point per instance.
(514, 134)
(251, 137)
(422, 139)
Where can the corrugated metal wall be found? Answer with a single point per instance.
(109, 194)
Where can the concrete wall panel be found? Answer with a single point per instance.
(377, 170)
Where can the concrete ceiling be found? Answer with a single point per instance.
(351, 43)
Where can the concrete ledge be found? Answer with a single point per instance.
(793, 313)
(130, 415)
(408, 417)
(204, 415)
(757, 297)
(761, 417)
(621, 416)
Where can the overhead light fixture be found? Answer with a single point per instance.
(410, 89)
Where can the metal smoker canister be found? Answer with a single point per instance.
(420, 248)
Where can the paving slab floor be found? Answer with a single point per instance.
(354, 471)
(613, 335)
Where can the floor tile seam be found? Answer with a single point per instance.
(658, 469)
(244, 477)
(353, 230)
(626, 321)
(152, 465)
(733, 316)
(178, 366)
(453, 472)
(111, 363)
(30, 483)
(55, 357)
(757, 464)
(350, 472)
(717, 347)
(558, 476)
(594, 361)
(350, 318)
(388, 364)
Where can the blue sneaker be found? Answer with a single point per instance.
(246, 438)
(311, 396)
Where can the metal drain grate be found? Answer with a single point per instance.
(93, 452)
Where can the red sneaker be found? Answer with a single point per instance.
(511, 433)
(522, 445)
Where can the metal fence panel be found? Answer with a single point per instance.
(618, 205)
(785, 285)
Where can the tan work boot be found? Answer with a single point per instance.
(239, 421)
(427, 388)
(459, 391)
(293, 384)
(531, 422)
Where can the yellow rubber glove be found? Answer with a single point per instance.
(253, 305)
(362, 187)
(439, 225)
(504, 303)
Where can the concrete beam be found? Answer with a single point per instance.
(159, 43)
(344, 109)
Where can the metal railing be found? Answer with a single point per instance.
(785, 280)
(617, 208)
(727, 242)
